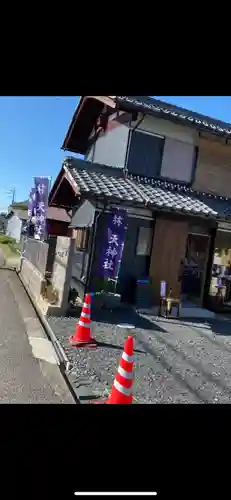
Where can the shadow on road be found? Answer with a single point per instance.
(119, 347)
(215, 325)
(121, 316)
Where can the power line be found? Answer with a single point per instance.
(11, 192)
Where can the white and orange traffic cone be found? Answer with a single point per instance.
(82, 336)
(121, 393)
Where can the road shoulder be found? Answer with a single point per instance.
(42, 348)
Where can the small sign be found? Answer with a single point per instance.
(163, 288)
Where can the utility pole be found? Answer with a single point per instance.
(12, 192)
(13, 195)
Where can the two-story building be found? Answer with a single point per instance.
(170, 168)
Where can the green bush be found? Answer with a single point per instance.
(6, 240)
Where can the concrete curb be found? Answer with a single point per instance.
(65, 364)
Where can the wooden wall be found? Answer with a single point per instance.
(213, 172)
(58, 228)
(168, 249)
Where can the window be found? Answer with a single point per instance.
(82, 239)
(178, 160)
(144, 241)
(145, 154)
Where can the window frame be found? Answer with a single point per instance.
(148, 252)
(158, 175)
(193, 166)
(83, 233)
(131, 134)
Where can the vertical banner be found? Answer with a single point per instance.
(42, 192)
(113, 244)
(31, 212)
(32, 203)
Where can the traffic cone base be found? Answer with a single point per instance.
(90, 343)
(119, 399)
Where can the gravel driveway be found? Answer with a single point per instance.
(175, 361)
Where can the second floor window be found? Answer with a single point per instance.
(145, 154)
(155, 156)
(178, 160)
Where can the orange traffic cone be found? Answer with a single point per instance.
(82, 336)
(121, 393)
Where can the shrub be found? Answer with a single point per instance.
(7, 239)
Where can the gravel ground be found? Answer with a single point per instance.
(175, 361)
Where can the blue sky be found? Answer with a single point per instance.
(32, 130)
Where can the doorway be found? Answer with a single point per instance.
(194, 269)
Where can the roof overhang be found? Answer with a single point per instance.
(84, 120)
(64, 190)
(58, 214)
(84, 215)
(85, 124)
(177, 114)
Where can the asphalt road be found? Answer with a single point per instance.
(28, 365)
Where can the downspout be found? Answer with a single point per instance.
(97, 131)
(92, 244)
(129, 141)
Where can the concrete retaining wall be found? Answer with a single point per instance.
(33, 281)
(61, 278)
(32, 277)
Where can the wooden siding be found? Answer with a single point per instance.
(168, 249)
(58, 228)
(213, 172)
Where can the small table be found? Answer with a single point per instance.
(166, 305)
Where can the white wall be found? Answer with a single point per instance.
(168, 129)
(110, 149)
(14, 227)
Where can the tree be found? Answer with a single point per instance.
(2, 222)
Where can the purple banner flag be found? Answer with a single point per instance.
(32, 203)
(114, 243)
(42, 192)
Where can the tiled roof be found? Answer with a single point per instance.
(107, 182)
(22, 214)
(103, 181)
(162, 109)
